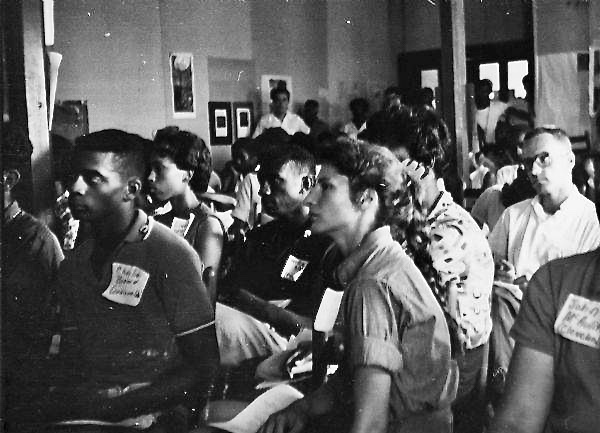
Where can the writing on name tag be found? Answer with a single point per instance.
(579, 321)
(293, 269)
(126, 285)
(181, 226)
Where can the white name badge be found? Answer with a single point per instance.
(293, 269)
(126, 285)
(579, 321)
(181, 226)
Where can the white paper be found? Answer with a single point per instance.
(328, 310)
(256, 413)
(579, 321)
(220, 131)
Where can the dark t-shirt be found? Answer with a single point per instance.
(150, 292)
(260, 264)
(576, 402)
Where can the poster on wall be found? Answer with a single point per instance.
(243, 113)
(182, 85)
(219, 123)
(268, 82)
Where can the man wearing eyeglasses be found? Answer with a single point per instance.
(557, 222)
(278, 265)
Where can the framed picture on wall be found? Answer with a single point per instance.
(243, 113)
(268, 82)
(182, 85)
(219, 123)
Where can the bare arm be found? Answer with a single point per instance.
(529, 391)
(371, 400)
(211, 247)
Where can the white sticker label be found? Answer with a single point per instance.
(126, 285)
(181, 226)
(579, 321)
(293, 268)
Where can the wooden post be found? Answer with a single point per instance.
(454, 79)
(37, 109)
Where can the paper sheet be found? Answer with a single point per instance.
(328, 310)
(256, 413)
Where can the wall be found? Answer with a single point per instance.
(360, 61)
(415, 24)
(112, 58)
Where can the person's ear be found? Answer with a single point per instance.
(187, 177)
(11, 178)
(134, 186)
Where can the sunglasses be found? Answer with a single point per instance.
(542, 159)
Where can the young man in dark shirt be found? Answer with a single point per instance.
(278, 263)
(134, 292)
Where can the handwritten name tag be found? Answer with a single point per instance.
(293, 269)
(126, 285)
(579, 321)
(181, 226)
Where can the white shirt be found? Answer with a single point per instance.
(488, 118)
(352, 131)
(291, 124)
(248, 203)
(528, 237)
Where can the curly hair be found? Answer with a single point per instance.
(428, 140)
(369, 166)
(188, 152)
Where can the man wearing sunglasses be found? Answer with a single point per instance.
(277, 276)
(557, 222)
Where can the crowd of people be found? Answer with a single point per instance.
(451, 319)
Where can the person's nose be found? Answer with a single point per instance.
(78, 186)
(313, 196)
(535, 168)
(152, 177)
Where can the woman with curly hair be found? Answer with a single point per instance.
(397, 374)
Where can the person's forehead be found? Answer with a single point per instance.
(542, 143)
(105, 161)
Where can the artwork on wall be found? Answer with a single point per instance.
(243, 113)
(182, 85)
(268, 82)
(219, 122)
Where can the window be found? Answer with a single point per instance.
(491, 71)
(429, 78)
(516, 71)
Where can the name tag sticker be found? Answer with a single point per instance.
(293, 269)
(181, 226)
(579, 321)
(126, 285)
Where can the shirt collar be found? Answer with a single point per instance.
(443, 202)
(373, 242)
(141, 228)
(569, 203)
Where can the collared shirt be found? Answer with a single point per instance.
(150, 291)
(487, 119)
(352, 131)
(465, 267)
(576, 398)
(528, 237)
(393, 321)
(291, 124)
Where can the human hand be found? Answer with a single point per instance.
(292, 419)
(415, 170)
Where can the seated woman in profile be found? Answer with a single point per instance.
(397, 374)
(180, 170)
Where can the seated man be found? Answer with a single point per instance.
(554, 379)
(135, 293)
(31, 255)
(277, 262)
(557, 222)
(280, 117)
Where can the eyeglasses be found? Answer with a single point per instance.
(542, 159)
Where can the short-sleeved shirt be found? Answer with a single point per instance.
(149, 293)
(576, 401)
(392, 321)
(528, 237)
(462, 258)
(487, 119)
(260, 265)
(197, 219)
(291, 124)
(248, 202)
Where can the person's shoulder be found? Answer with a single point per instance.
(167, 243)
(520, 207)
